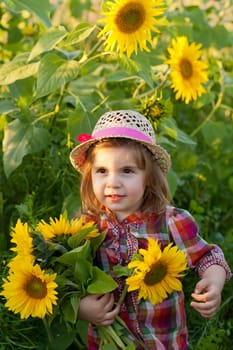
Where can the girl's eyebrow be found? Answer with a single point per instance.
(96, 166)
(123, 166)
(129, 166)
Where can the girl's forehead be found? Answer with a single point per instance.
(123, 149)
(116, 153)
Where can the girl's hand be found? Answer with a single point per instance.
(208, 290)
(207, 298)
(98, 309)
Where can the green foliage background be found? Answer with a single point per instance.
(56, 80)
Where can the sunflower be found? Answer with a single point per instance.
(188, 72)
(155, 109)
(158, 273)
(129, 23)
(63, 226)
(16, 261)
(29, 290)
(22, 239)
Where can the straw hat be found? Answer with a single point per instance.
(123, 124)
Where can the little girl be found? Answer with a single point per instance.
(125, 190)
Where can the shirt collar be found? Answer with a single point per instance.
(135, 218)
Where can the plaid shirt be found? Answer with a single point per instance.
(161, 326)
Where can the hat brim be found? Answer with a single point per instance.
(78, 154)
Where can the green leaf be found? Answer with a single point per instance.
(171, 129)
(71, 202)
(79, 121)
(144, 69)
(82, 9)
(129, 65)
(121, 270)
(173, 180)
(82, 252)
(70, 308)
(216, 135)
(96, 242)
(54, 72)
(197, 16)
(101, 283)
(3, 122)
(221, 36)
(146, 75)
(75, 240)
(40, 8)
(79, 33)
(108, 347)
(48, 41)
(22, 138)
(7, 106)
(186, 161)
(83, 271)
(22, 91)
(230, 184)
(17, 69)
(62, 335)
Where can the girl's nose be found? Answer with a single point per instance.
(113, 180)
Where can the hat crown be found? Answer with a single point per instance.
(124, 120)
(121, 124)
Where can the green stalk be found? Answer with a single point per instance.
(49, 334)
(215, 108)
(123, 294)
(210, 115)
(107, 333)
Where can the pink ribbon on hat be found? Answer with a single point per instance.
(122, 132)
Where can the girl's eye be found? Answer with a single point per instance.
(101, 170)
(127, 170)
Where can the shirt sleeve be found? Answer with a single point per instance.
(184, 232)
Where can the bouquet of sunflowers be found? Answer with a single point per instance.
(53, 269)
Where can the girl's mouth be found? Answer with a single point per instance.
(115, 197)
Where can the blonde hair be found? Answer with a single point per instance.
(157, 194)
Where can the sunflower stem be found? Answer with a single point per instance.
(90, 55)
(123, 294)
(122, 323)
(49, 334)
(214, 109)
(108, 335)
(134, 337)
(210, 115)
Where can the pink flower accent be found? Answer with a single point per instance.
(84, 137)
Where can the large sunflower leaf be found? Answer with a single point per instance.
(7, 106)
(17, 69)
(22, 138)
(70, 308)
(101, 282)
(80, 253)
(171, 129)
(48, 41)
(75, 240)
(54, 72)
(40, 8)
(79, 33)
(63, 336)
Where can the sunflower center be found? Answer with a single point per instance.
(156, 274)
(36, 288)
(130, 17)
(155, 111)
(186, 68)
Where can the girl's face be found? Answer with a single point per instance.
(118, 183)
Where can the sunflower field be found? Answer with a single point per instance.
(62, 65)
